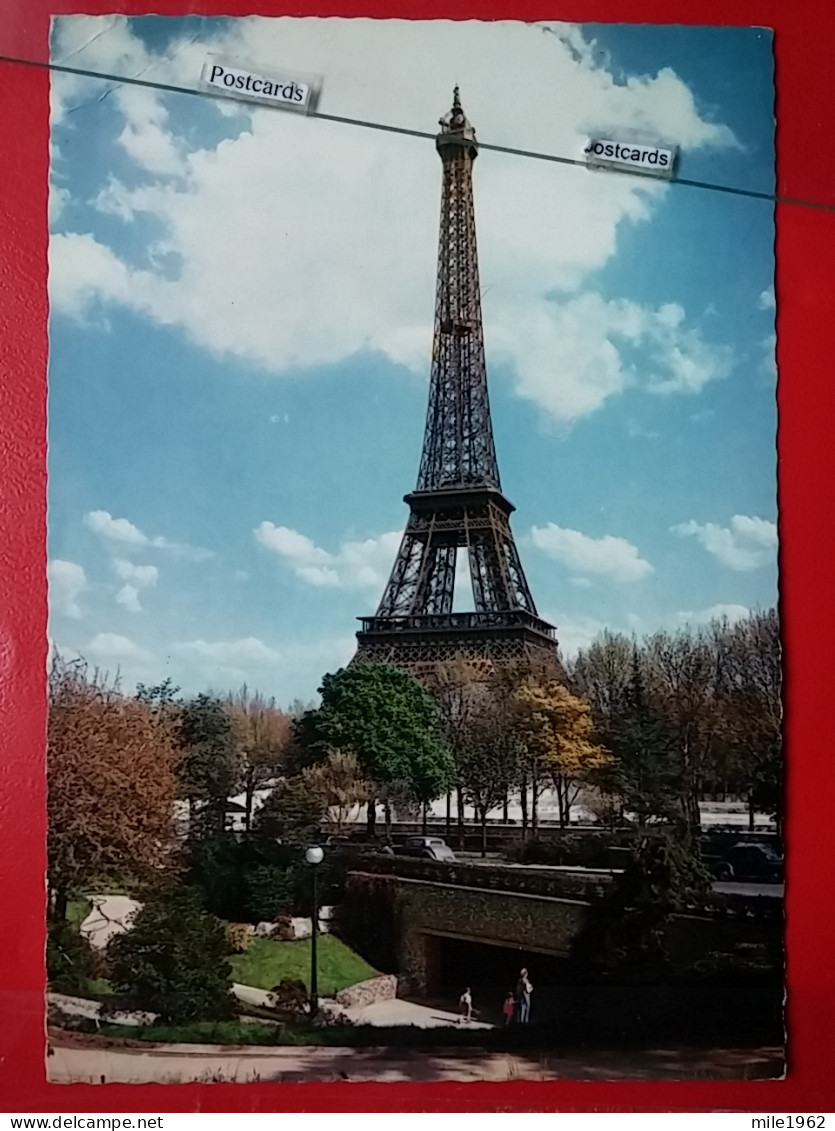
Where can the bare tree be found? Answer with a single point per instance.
(339, 783)
(263, 734)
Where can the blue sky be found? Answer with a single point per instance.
(240, 333)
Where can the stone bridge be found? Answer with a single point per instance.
(441, 925)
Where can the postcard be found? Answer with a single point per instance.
(415, 677)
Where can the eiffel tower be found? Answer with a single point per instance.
(458, 502)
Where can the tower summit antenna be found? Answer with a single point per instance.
(458, 501)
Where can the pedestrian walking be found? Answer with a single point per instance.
(465, 1003)
(509, 1008)
(524, 989)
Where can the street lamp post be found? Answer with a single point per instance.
(314, 856)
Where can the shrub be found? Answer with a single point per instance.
(269, 892)
(239, 936)
(588, 850)
(290, 996)
(69, 959)
(173, 961)
(624, 931)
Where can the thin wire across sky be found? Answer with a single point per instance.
(365, 124)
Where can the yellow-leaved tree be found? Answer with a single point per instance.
(558, 733)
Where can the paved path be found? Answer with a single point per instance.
(109, 917)
(174, 1064)
(395, 1011)
(88, 1007)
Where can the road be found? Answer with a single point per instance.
(776, 891)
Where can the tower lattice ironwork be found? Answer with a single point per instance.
(458, 502)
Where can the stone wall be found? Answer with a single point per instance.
(416, 910)
(382, 988)
(398, 919)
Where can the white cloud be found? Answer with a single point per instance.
(365, 564)
(607, 556)
(66, 583)
(746, 544)
(123, 531)
(575, 632)
(570, 356)
(115, 529)
(233, 653)
(768, 363)
(731, 613)
(287, 672)
(138, 575)
(377, 292)
(128, 597)
(113, 646)
(58, 197)
(767, 300)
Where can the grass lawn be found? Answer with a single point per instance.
(266, 962)
(78, 910)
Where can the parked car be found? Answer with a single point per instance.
(428, 848)
(752, 863)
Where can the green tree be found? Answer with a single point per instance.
(209, 771)
(390, 723)
(644, 772)
(293, 812)
(269, 892)
(623, 938)
(173, 961)
(69, 960)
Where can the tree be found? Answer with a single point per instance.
(682, 672)
(600, 674)
(453, 689)
(479, 720)
(262, 736)
(173, 960)
(269, 890)
(210, 767)
(489, 760)
(644, 771)
(623, 937)
(751, 708)
(339, 785)
(69, 959)
(390, 723)
(112, 783)
(558, 732)
(292, 812)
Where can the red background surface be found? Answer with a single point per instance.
(804, 37)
